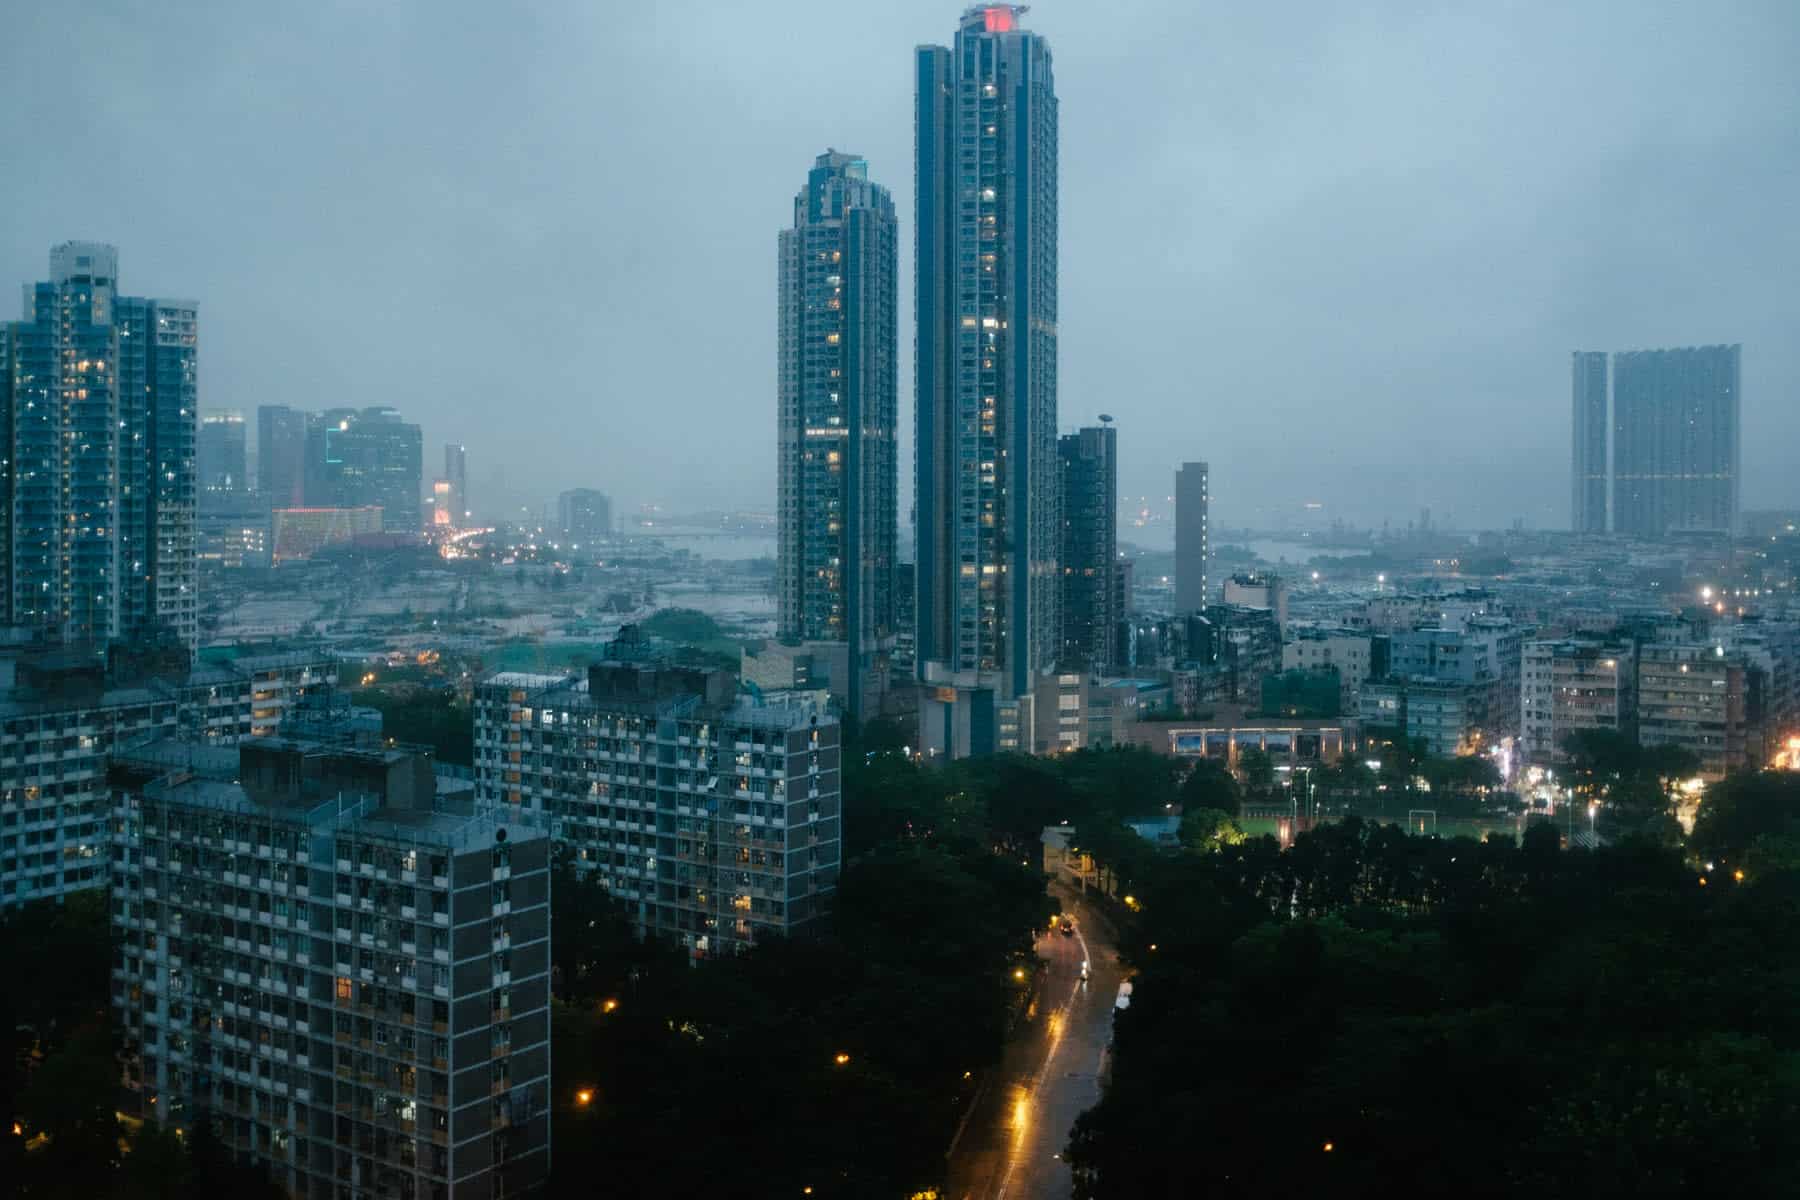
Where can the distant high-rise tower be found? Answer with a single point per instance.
(281, 455)
(97, 493)
(456, 474)
(988, 529)
(1588, 470)
(1090, 546)
(221, 452)
(837, 411)
(1191, 500)
(368, 456)
(1675, 440)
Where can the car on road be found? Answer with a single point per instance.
(1124, 1000)
(1084, 968)
(1068, 928)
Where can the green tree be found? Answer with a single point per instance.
(1211, 785)
(1210, 829)
(1258, 771)
(1735, 814)
(70, 1103)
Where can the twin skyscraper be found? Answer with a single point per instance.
(986, 600)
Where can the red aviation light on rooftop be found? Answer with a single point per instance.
(996, 18)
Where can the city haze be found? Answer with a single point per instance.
(1341, 257)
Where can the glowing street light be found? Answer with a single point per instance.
(584, 1097)
(841, 1059)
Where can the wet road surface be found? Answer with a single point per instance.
(1010, 1146)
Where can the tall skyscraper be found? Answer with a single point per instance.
(1675, 440)
(221, 452)
(456, 474)
(838, 409)
(988, 529)
(1090, 546)
(281, 455)
(358, 457)
(1588, 471)
(100, 405)
(1191, 500)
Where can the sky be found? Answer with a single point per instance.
(1340, 251)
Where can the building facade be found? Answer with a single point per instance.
(361, 458)
(98, 420)
(1090, 547)
(344, 971)
(222, 453)
(296, 534)
(456, 474)
(837, 415)
(281, 455)
(1259, 589)
(1350, 653)
(1590, 420)
(988, 531)
(1572, 685)
(1698, 698)
(585, 514)
(1192, 498)
(1676, 438)
(716, 821)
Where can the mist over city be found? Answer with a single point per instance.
(1284, 239)
(1056, 601)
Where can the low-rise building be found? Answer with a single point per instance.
(1450, 717)
(343, 971)
(1231, 731)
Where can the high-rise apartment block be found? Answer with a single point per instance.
(837, 417)
(1589, 421)
(339, 963)
(221, 452)
(1090, 547)
(716, 820)
(358, 458)
(98, 413)
(66, 711)
(281, 455)
(1191, 501)
(986, 303)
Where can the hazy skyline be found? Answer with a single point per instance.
(1343, 257)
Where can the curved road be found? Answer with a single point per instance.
(1011, 1144)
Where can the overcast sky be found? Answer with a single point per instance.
(1341, 254)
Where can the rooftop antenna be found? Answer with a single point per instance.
(1106, 418)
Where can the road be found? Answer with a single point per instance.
(1016, 1131)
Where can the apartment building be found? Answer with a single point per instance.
(339, 963)
(1697, 697)
(715, 818)
(1571, 685)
